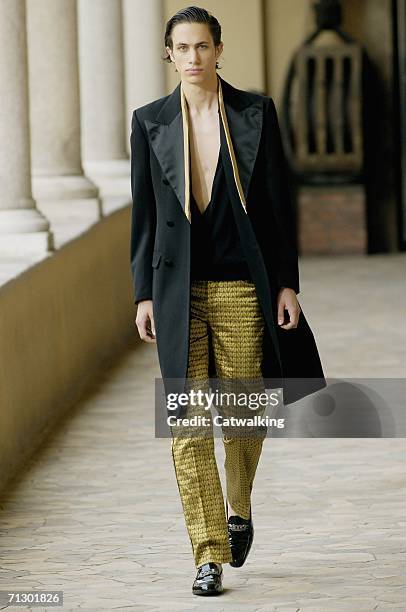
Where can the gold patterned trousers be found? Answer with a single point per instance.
(230, 312)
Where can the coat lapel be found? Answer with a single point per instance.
(242, 118)
(166, 138)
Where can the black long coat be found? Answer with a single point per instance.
(255, 170)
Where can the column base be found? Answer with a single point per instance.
(70, 218)
(63, 187)
(24, 232)
(113, 177)
(26, 245)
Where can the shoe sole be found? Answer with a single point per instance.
(207, 593)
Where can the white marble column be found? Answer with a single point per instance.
(58, 178)
(105, 157)
(145, 71)
(24, 231)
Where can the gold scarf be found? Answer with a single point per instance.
(186, 150)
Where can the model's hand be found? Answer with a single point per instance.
(287, 300)
(145, 321)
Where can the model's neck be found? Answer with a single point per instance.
(202, 98)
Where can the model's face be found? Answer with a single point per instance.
(193, 48)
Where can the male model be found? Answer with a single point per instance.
(215, 271)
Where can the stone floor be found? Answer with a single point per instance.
(96, 512)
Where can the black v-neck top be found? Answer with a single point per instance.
(216, 252)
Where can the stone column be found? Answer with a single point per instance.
(55, 111)
(102, 95)
(144, 29)
(23, 229)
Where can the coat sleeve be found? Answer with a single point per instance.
(143, 214)
(278, 188)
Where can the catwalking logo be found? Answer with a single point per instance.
(200, 421)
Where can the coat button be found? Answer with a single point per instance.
(165, 181)
(170, 223)
(168, 262)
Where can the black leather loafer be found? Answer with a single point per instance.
(208, 579)
(240, 536)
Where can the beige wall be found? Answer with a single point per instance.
(287, 24)
(61, 321)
